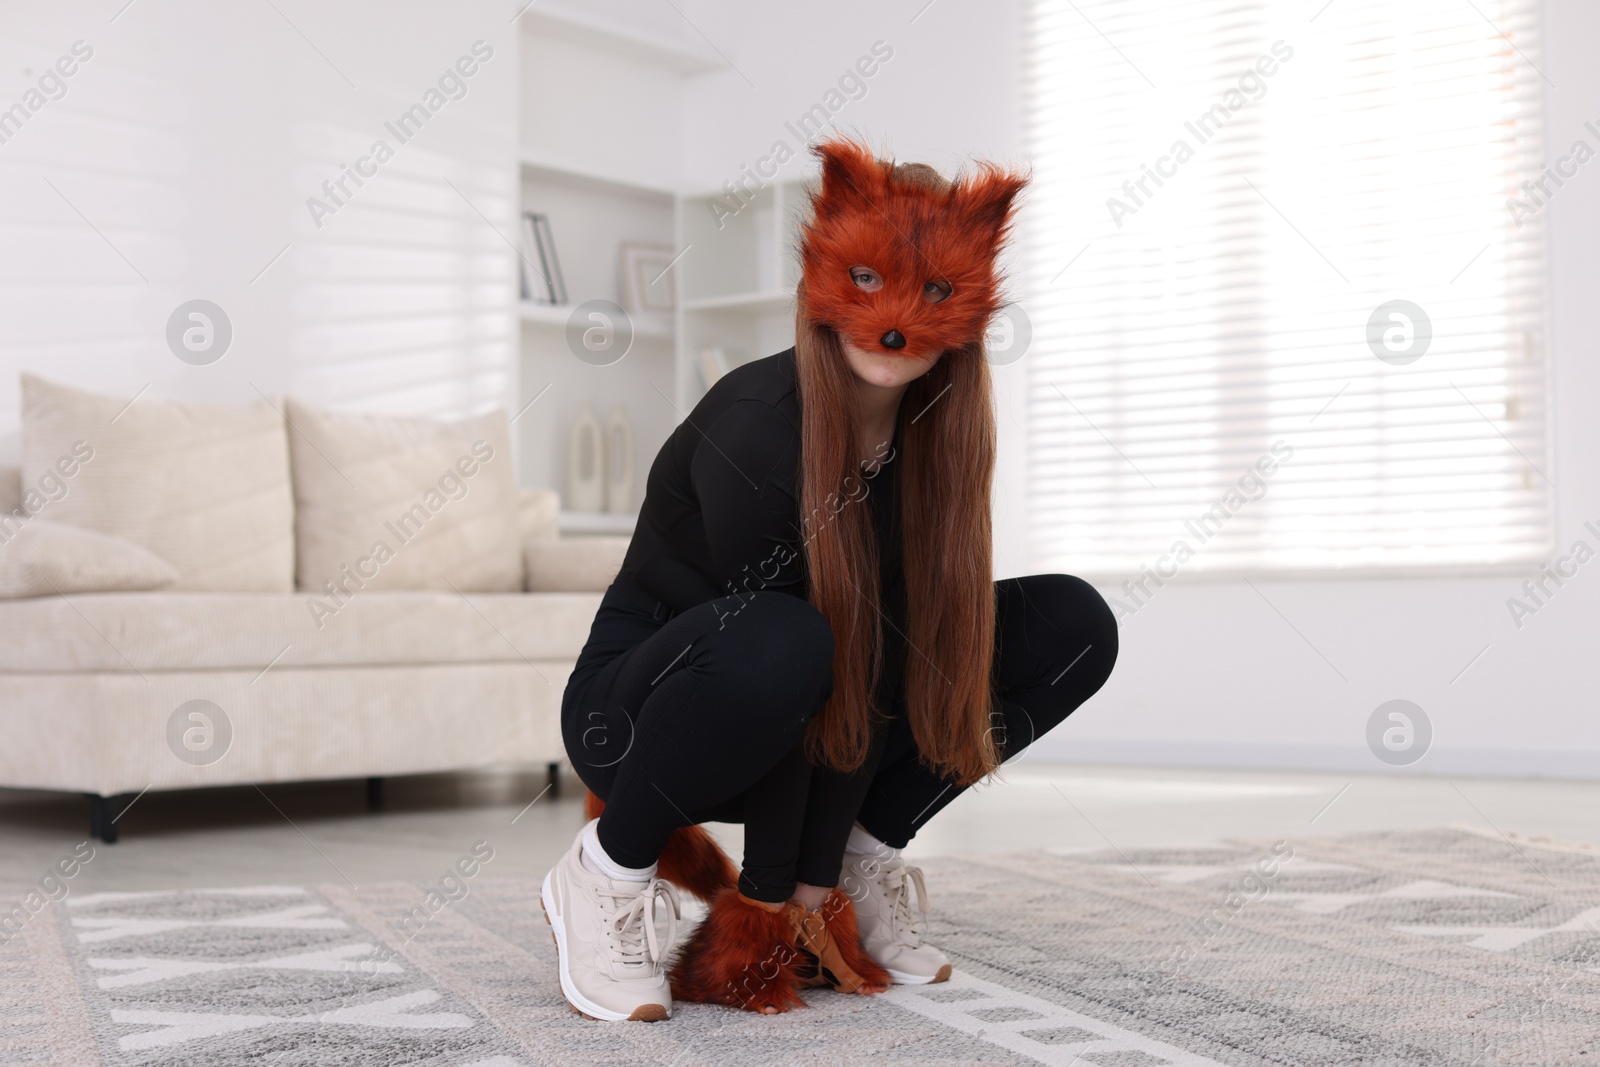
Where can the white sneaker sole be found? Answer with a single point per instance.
(558, 934)
(901, 978)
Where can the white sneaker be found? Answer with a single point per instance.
(611, 955)
(890, 934)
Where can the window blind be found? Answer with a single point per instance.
(1285, 282)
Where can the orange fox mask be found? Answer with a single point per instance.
(899, 261)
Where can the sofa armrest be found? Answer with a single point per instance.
(10, 489)
(538, 513)
(574, 564)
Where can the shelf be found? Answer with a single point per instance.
(546, 314)
(684, 54)
(652, 325)
(597, 522)
(775, 300)
(543, 164)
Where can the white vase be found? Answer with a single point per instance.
(586, 474)
(619, 461)
(713, 364)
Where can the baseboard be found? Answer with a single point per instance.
(1441, 760)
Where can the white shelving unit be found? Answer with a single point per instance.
(595, 162)
(685, 54)
(590, 218)
(736, 286)
(771, 300)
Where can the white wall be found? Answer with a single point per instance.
(1209, 672)
(191, 141)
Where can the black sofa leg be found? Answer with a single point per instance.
(554, 770)
(374, 794)
(103, 815)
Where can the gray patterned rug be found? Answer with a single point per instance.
(1437, 947)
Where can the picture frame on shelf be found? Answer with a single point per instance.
(647, 283)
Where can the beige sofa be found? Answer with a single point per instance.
(114, 693)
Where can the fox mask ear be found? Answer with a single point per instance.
(989, 197)
(852, 177)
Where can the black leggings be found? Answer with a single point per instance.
(699, 718)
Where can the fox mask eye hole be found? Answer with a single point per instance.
(866, 279)
(934, 292)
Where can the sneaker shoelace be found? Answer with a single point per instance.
(630, 922)
(898, 881)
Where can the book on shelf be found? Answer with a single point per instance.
(542, 282)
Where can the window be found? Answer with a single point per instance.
(1284, 268)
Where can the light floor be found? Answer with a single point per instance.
(310, 833)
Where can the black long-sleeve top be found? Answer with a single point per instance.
(721, 513)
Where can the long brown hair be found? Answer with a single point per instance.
(945, 471)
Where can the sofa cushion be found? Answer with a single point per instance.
(165, 631)
(204, 487)
(404, 503)
(45, 558)
(539, 516)
(10, 489)
(573, 564)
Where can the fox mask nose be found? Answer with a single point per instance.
(893, 339)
